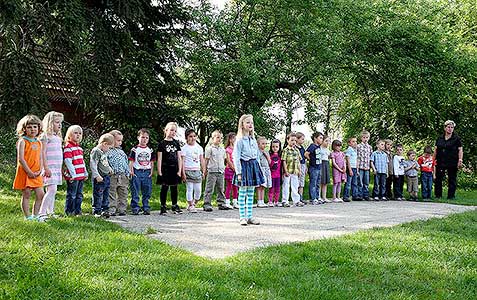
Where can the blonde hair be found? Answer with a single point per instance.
(48, 121)
(388, 141)
(216, 133)
(70, 131)
(261, 138)
(28, 120)
(115, 133)
(107, 138)
(365, 133)
(299, 135)
(169, 125)
(240, 127)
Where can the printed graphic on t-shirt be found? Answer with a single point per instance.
(143, 158)
(275, 161)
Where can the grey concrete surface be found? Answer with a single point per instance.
(218, 234)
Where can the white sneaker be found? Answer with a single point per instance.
(191, 209)
(243, 222)
(227, 205)
(261, 204)
(326, 200)
(337, 200)
(235, 204)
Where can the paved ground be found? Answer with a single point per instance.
(217, 234)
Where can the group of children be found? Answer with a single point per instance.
(233, 172)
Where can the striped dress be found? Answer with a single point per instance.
(54, 159)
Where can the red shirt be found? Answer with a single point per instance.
(75, 167)
(426, 163)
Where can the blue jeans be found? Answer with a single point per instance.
(141, 181)
(380, 185)
(426, 181)
(363, 183)
(315, 177)
(101, 195)
(74, 197)
(351, 184)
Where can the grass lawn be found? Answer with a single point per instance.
(88, 258)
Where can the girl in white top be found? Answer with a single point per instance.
(193, 169)
(52, 160)
(325, 168)
(398, 168)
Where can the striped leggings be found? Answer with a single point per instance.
(245, 201)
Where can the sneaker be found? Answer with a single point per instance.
(176, 209)
(192, 209)
(146, 212)
(235, 204)
(337, 200)
(366, 199)
(135, 212)
(270, 204)
(97, 215)
(105, 214)
(376, 198)
(243, 222)
(261, 204)
(347, 199)
(122, 214)
(315, 202)
(326, 200)
(112, 214)
(163, 210)
(275, 204)
(253, 221)
(225, 207)
(357, 199)
(285, 204)
(298, 204)
(30, 218)
(384, 199)
(207, 207)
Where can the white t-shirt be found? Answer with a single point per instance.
(191, 156)
(324, 153)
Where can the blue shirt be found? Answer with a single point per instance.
(380, 159)
(246, 149)
(353, 157)
(411, 172)
(315, 156)
(118, 160)
(302, 154)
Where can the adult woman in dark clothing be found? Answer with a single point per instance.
(448, 155)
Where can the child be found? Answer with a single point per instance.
(339, 170)
(427, 165)
(193, 169)
(313, 154)
(119, 181)
(247, 169)
(291, 172)
(100, 173)
(388, 146)
(275, 169)
(267, 174)
(52, 161)
(300, 140)
(75, 172)
(398, 171)
(352, 171)
(169, 167)
(411, 168)
(379, 165)
(214, 160)
(364, 151)
(29, 164)
(229, 172)
(325, 168)
(141, 166)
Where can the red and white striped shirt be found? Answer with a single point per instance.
(75, 167)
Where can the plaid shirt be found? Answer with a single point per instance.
(291, 157)
(380, 159)
(118, 160)
(364, 154)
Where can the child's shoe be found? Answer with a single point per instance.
(325, 200)
(235, 204)
(227, 204)
(376, 198)
(146, 212)
(261, 204)
(207, 207)
(270, 204)
(243, 222)
(253, 221)
(285, 204)
(105, 214)
(163, 210)
(176, 209)
(337, 200)
(298, 204)
(191, 209)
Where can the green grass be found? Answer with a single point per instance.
(89, 258)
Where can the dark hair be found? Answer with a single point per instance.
(189, 131)
(398, 146)
(228, 137)
(315, 135)
(335, 144)
(276, 141)
(142, 131)
(428, 149)
(411, 152)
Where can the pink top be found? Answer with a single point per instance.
(229, 173)
(54, 159)
(339, 160)
(275, 165)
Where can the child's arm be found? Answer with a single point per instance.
(228, 161)
(179, 158)
(395, 166)
(68, 158)
(131, 168)
(335, 165)
(267, 156)
(348, 165)
(93, 164)
(152, 168)
(202, 165)
(21, 158)
(372, 166)
(159, 163)
(206, 163)
(44, 160)
(284, 164)
(307, 155)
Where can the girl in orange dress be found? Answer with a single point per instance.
(29, 164)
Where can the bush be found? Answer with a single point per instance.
(467, 180)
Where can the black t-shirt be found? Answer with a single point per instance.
(169, 151)
(448, 151)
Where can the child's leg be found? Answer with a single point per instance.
(38, 199)
(286, 188)
(241, 201)
(78, 197)
(197, 191)
(146, 189)
(260, 193)
(250, 191)
(105, 195)
(135, 188)
(113, 193)
(294, 183)
(323, 191)
(235, 192)
(174, 195)
(338, 190)
(209, 188)
(25, 203)
(48, 200)
(335, 186)
(220, 189)
(163, 194)
(122, 194)
(228, 188)
(190, 192)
